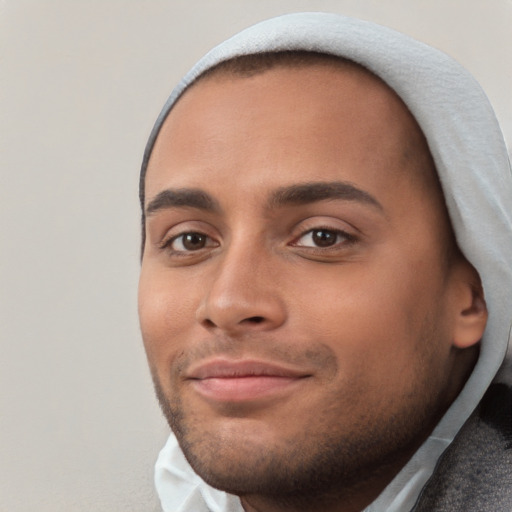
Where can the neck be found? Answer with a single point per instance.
(353, 497)
(299, 504)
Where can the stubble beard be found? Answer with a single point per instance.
(343, 450)
(316, 469)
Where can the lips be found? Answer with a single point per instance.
(237, 381)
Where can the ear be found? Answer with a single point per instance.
(471, 309)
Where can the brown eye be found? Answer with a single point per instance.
(194, 241)
(324, 238)
(189, 242)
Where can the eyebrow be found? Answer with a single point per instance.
(299, 194)
(182, 197)
(305, 193)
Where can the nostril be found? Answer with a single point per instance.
(255, 319)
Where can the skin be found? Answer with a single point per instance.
(353, 293)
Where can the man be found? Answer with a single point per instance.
(323, 298)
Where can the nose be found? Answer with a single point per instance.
(242, 295)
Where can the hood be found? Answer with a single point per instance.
(474, 170)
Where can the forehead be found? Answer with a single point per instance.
(321, 111)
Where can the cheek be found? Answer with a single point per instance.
(372, 318)
(166, 314)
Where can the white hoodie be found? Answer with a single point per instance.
(472, 162)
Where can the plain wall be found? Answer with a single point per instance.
(81, 84)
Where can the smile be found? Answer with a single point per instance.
(239, 381)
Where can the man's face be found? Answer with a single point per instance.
(294, 300)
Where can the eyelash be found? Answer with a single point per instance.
(167, 243)
(347, 239)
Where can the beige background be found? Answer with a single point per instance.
(80, 84)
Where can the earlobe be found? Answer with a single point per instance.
(472, 310)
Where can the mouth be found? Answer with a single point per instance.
(224, 380)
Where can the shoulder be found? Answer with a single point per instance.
(475, 473)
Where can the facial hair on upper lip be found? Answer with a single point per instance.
(311, 359)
